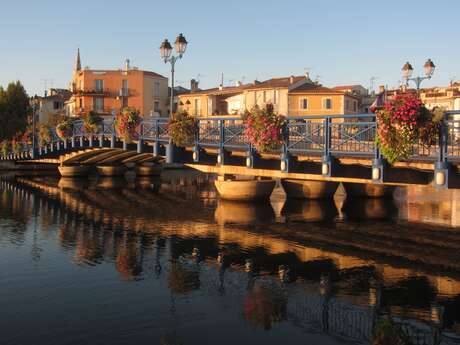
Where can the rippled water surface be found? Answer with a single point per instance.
(164, 261)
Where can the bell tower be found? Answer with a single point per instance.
(78, 61)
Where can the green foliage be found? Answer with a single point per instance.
(14, 110)
(388, 333)
(16, 145)
(182, 128)
(92, 122)
(5, 148)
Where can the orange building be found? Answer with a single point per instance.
(108, 91)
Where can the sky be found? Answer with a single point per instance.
(337, 41)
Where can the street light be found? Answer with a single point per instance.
(407, 71)
(34, 114)
(165, 52)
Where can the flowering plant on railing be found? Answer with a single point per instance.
(182, 128)
(263, 128)
(64, 129)
(26, 137)
(16, 144)
(127, 124)
(401, 123)
(92, 123)
(44, 135)
(5, 148)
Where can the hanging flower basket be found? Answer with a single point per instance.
(403, 122)
(5, 148)
(92, 123)
(16, 145)
(127, 124)
(64, 129)
(26, 137)
(44, 135)
(182, 129)
(263, 128)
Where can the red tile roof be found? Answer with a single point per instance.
(307, 89)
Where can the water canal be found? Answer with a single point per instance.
(164, 261)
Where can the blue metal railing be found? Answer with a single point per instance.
(331, 135)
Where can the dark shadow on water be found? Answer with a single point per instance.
(238, 212)
(298, 210)
(359, 209)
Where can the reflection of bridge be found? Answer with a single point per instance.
(333, 315)
(330, 148)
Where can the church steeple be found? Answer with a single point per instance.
(78, 62)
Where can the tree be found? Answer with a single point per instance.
(14, 110)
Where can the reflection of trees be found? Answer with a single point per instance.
(388, 333)
(182, 279)
(265, 304)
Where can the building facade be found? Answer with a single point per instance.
(108, 91)
(52, 104)
(292, 96)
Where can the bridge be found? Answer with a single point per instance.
(338, 148)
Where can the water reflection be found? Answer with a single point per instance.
(239, 212)
(333, 278)
(358, 209)
(309, 210)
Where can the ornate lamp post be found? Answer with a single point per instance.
(407, 71)
(165, 53)
(34, 114)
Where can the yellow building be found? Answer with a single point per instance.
(445, 97)
(292, 96)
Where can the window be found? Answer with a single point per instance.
(355, 106)
(197, 106)
(347, 104)
(98, 104)
(57, 105)
(327, 103)
(156, 107)
(156, 89)
(80, 84)
(304, 103)
(264, 96)
(276, 96)
(99, 84)
(124, 102)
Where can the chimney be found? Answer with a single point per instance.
(127, 65)
(291, 79)
(193, 85)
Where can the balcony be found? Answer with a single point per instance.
(103, 111)
(124, 92)
(93, 92)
